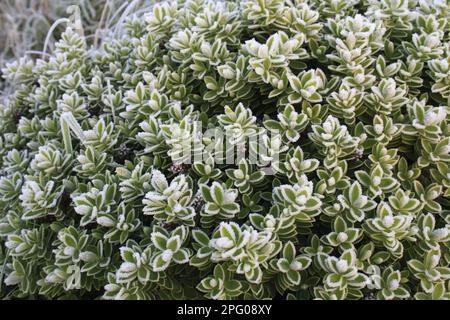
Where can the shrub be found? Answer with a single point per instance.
(115, 174)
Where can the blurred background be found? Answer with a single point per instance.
(25, 24)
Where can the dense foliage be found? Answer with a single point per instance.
(350, 97)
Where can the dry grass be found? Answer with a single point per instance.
(29, 27)
(24, 24)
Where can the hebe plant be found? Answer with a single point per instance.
(98, 200)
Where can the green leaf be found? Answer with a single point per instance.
(232, 285)
(181, 256)
(219, 273)
(217, 193)
(340, 225)
(294, 277)
(363, 178)
(159, 264)
(201, 237)
(173, 243)
(289, 251)
(70, 240)
(159, 240)
(283, 265)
